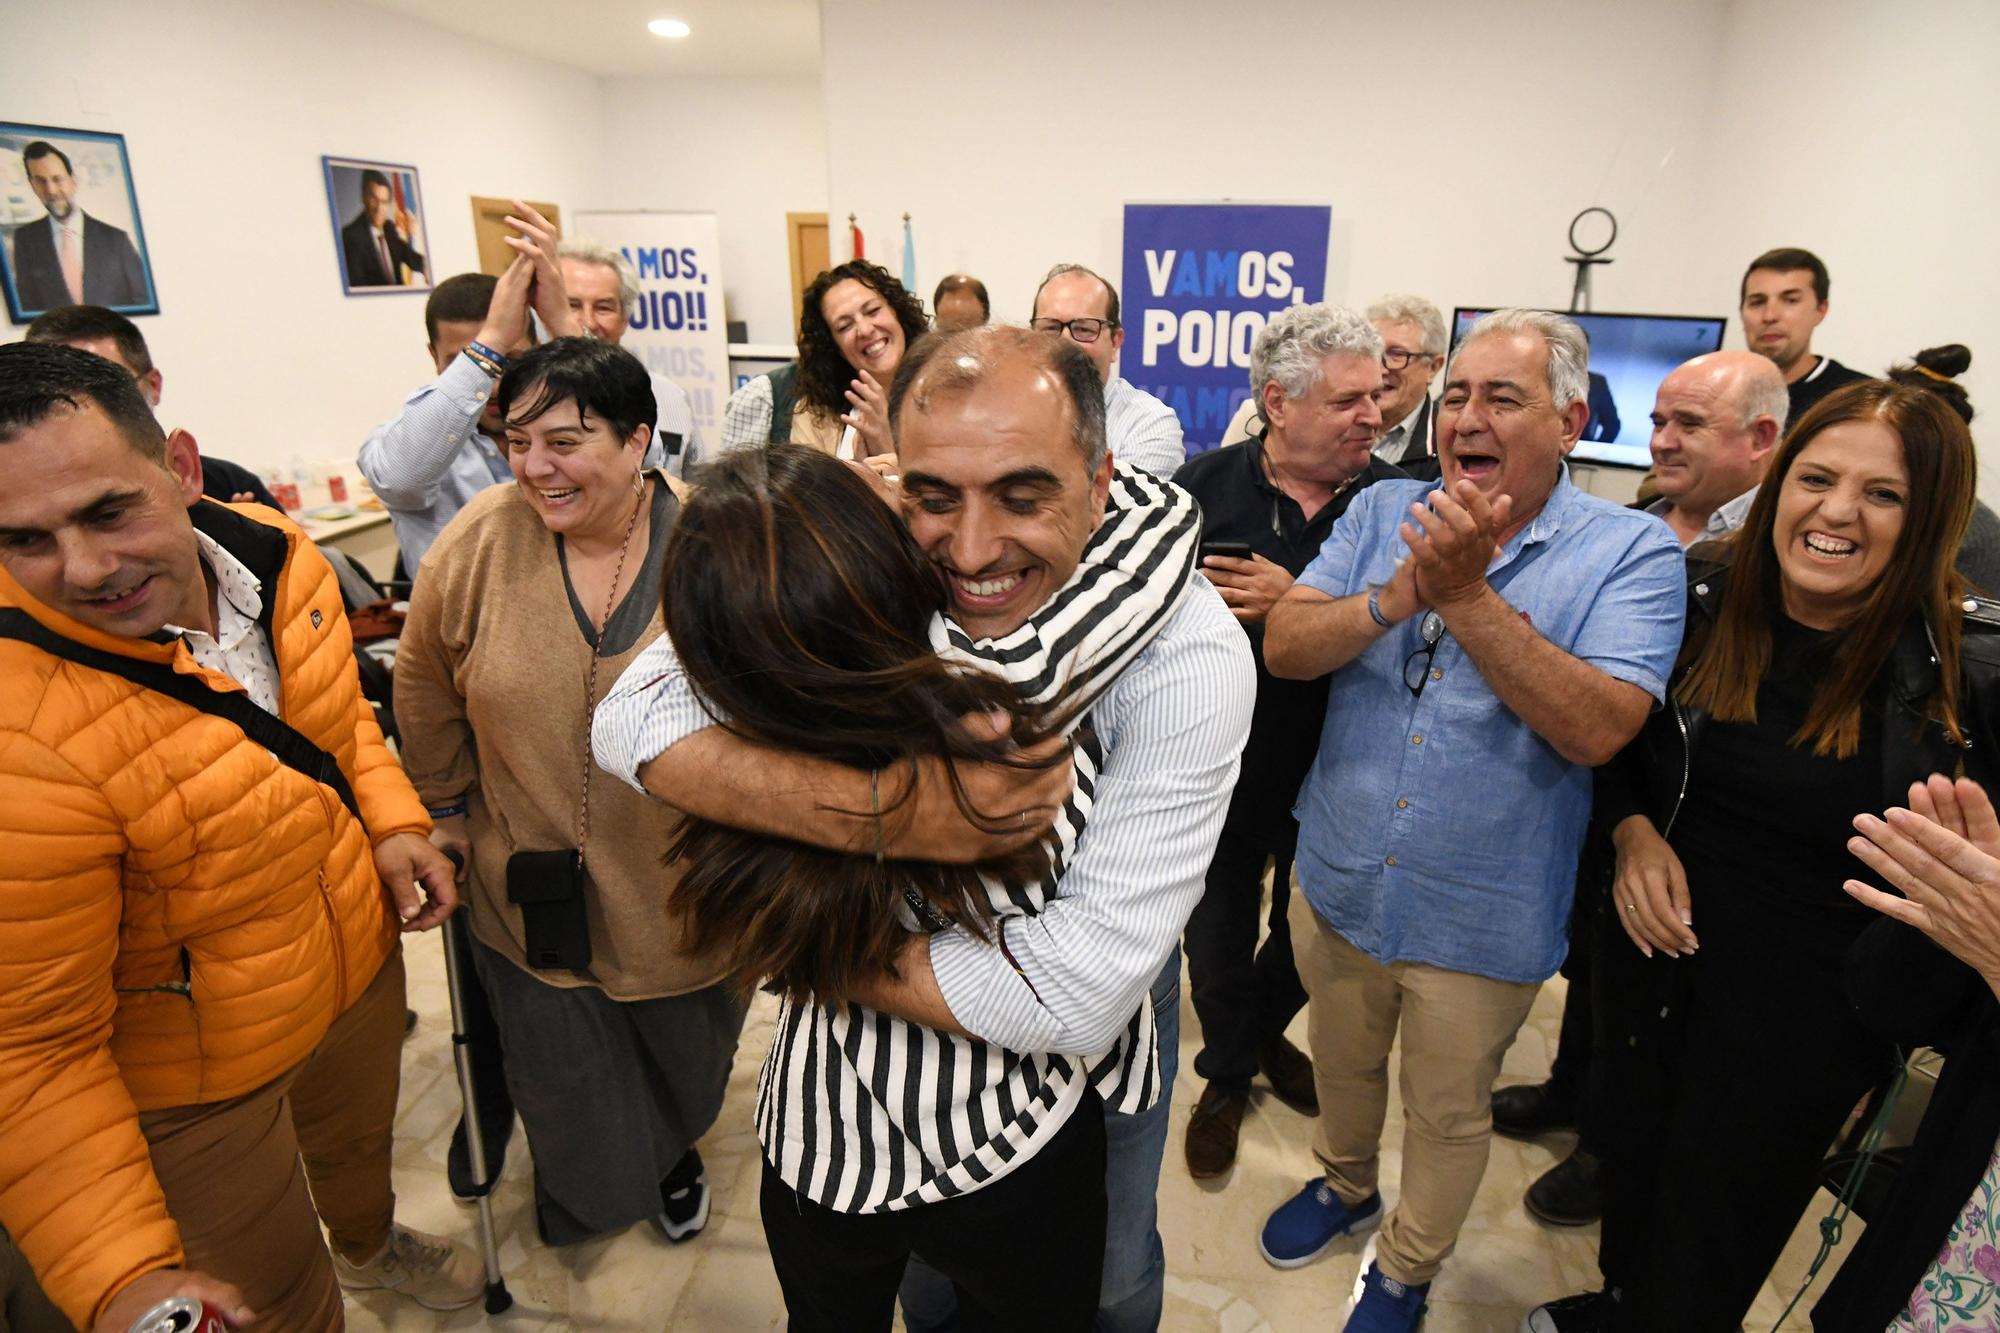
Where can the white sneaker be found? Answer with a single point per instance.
(432, 1271)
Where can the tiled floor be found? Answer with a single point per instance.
(1216, 1280)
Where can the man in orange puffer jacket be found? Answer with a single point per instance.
(200, 974)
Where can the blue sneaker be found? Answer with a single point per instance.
(1311, 1220)
(1386, 1305)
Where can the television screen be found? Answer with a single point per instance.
(1629, 356)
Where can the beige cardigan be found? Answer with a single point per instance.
(490, 697)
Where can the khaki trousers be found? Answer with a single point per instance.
(1456, 1028)
(232, 1170)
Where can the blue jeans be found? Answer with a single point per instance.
(1135, 1263)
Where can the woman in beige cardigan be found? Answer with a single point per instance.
(617, 1041)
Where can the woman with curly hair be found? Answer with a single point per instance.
(855, 323)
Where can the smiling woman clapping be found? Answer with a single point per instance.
(1830, 659)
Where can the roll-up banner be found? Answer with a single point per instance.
(1200, 283)
(677, 324)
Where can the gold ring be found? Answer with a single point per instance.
(1633, 908)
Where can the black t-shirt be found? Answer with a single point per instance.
(1763, 832)
(1239, 504)
(1825, 377)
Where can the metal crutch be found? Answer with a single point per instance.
(497, 1297)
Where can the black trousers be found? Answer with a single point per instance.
(1026, 1252)
(1243, 995)
(1726, 1078)
(1574, 1074)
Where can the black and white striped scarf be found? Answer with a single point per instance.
(863, 1112)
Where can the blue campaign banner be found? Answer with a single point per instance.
(1201, 281)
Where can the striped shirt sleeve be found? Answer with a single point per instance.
(1069, 979)
(746, 417)
(652, 708)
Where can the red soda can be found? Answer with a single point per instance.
(181, 1314)
(336, 489)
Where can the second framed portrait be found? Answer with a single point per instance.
(378, 226)
(70, 220)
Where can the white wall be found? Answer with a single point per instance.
(1024, 153)
(1884, 159)
(226, 107)
(1453, 142)
(748, 150)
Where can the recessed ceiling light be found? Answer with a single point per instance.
(668, 28)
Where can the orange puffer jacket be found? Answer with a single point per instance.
(181, 916)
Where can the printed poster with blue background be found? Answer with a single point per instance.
(1200, 283)
(677, 326)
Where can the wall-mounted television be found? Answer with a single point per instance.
(1629, 356)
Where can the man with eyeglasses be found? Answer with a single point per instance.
(1413, 344)
(1317, 371)
(1075, 303)
(1491, 638)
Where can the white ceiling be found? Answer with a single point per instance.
(609, 37)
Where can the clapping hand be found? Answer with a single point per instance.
(537, 244)
(869, 416)
(1943, 852)
(1452, 540)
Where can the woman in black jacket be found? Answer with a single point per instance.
(1930, 1257)
(1824, 669)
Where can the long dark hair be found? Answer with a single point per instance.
(800, 607)
(1920, 579)
(824, 373)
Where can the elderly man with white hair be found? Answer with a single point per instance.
(603, 288)
(1490, 638)
(1267, 505)
(1413, 347)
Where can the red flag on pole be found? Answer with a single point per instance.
(854, 235)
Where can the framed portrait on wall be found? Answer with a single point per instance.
(69, 223)
(378, 226)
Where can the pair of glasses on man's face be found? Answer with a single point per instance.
(1083, 330)
(1432, 630)
(1395, 358)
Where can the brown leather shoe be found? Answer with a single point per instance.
(1212, 1130)
(1290, 1071)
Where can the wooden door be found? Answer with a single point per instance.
(805, 239)
(490, 230)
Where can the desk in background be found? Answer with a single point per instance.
(365, 536)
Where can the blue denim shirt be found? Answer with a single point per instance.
(1440, 829)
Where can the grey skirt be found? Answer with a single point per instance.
(612, 1093)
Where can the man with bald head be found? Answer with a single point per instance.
(1715, 421)
(997, 1106)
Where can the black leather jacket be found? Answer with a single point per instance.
(1650, 775)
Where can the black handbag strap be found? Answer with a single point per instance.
(292, 749)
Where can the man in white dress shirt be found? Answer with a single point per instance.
(1075, 303)
(1005, 503)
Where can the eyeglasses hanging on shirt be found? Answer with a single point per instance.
(1424, 658)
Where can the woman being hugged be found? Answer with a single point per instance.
(1831, 658)
(617, 1038)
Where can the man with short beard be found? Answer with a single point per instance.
(919, 1121)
